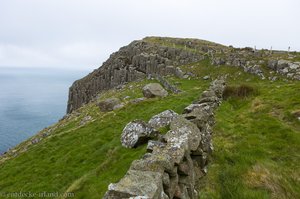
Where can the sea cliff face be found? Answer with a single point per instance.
(135, 61)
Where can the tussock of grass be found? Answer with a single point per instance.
(240, 91)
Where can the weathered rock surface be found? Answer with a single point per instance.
(287, 68)
(154, 90)
(133, 62)
(162, 119)
(137, 184)
(174, 165)
(135, 133)
(109, 104)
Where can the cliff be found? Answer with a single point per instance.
(162, 56)
(136, 61)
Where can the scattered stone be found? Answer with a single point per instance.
(109, 104)
(137, 100)
(85, 120)
(207, 77)
(136, 133)
(35, 140)
(126, 97)
(154, 90)
(162, 119)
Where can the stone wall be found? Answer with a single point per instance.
(130, 63)
(286, 68)
(177, 160)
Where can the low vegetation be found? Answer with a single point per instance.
(256, 141)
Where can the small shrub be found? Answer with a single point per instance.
(241, 91)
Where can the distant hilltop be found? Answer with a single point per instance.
(163, 55)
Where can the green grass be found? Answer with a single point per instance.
(256, 141)
(85, 159)
(257, 146)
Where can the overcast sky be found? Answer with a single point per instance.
(83, 33)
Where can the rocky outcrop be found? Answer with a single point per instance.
(240, 58)
(287, 68)
(130, 63)
(176, 162)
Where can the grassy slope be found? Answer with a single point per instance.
(86, 159)
(256, 143)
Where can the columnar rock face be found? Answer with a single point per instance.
(176, 161)
(135, 61)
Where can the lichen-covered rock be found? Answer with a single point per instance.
(162, 119)
(157, 161)
(135, 133)
(200, 116)
(184, 134)
(205, 106)
(109, 104)
(153, 144)
(154, 90)
(137, 184)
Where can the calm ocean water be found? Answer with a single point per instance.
(31, 99)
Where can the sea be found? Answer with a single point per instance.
(32, 99)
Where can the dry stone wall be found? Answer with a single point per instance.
(176, 161)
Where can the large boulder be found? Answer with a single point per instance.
(154, 90)
(109, 104)
(136, 133)
(162, 119)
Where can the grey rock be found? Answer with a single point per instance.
(109, 104)
(183, 134)
(129, 186)
(272, 64)
(136, 133)
(162, 119)
(137, 100)
(207, 77)
(85, 120)
(282, 64)
(154, 90)
(157, 161)
(153, 144)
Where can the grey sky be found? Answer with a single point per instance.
(82, 33)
